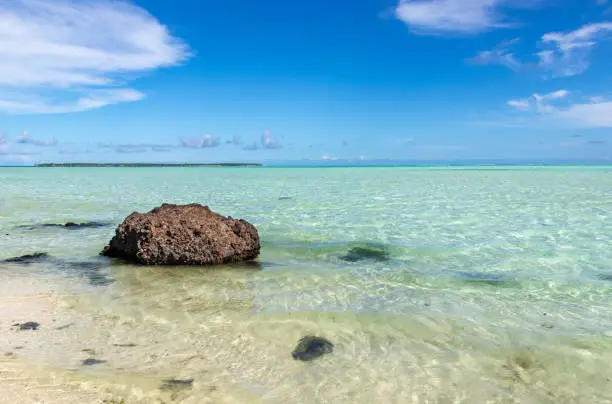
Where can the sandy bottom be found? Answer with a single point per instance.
(151, 326)
(46, 365)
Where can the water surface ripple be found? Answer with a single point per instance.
(434, 285)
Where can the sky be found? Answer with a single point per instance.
(280, 81)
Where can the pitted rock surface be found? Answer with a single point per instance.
(183, 235)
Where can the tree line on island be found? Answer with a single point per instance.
(148, 165)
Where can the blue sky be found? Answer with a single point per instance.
(208, 81)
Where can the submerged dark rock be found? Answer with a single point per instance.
(605, 277)
(29, 258)
(92, 271)
(68, 225)
(92, 362)
(86, 225)
(285, 198)
(176, 384)
(183, 235)
(30, 325)
(372, 252)
(487, 279)
(310, 348)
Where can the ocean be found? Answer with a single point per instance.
(435, 285)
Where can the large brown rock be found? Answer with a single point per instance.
(183, 235)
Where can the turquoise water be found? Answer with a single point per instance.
(492, 285)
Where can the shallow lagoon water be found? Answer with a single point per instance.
(479, 286)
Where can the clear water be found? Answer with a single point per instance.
(496, 287)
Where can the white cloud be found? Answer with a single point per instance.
(594, 112)
(562, 54)
(90, 99)
(79, 52)
(269, 142)
(589, 114)
(201, 143)
(522, 105)
(456, 16)
(538, 102)
(569, 52)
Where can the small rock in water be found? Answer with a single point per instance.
(30, 325)
(86, 225)
(176, 384)
(28, 259)
(310, 348)
(92, 361)
(285, 198)
(68, 225)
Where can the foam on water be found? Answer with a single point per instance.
(433, 286)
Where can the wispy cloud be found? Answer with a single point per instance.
(136, 147)
(569, 52)
(539, 102)
(62, 56)
(597, 115)
(3, 138)
(561, 55)
(34, 104)
(456, 16)
(201, 143)
(25, 138)
(499, 55)
(269, 142)
(595, 112)
(522, 105)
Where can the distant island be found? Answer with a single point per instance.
(148, 165)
